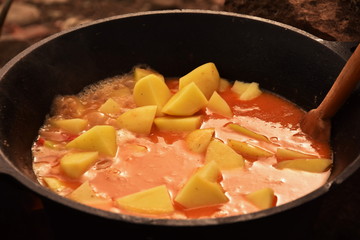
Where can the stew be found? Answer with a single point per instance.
(194, 147)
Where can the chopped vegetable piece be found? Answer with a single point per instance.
(247, 132)
(54, 184)
(248, 151)
(206, 77)
(86, 195)
(76, 164)
(223, 155)
(263, 198)
(246, 91)
(138, 120)
(316, 165)
(139, 73)
(199, 139)
(101, 138)
(153, 201)
(110, 107)
(288, 154)
(151, 90)
(199, 191)
(210, 171)
(223, 85)
(218, 105)
(74, 125)
(186, 101)
(176, 124)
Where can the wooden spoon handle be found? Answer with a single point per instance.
(342, 88)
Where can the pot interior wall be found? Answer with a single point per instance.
(286, 62)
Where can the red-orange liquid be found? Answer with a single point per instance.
(168, 161)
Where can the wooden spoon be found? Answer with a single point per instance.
(316, 122)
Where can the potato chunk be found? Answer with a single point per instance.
(263, 198)
(248, 151)
(110, 107)
(246, 91)
(289, 154)
(218, 105)
(76, 164)
(240, 129)
(223, 155)
(155, 200)
(316, 165)
(86, 195)
(138, 120)
(101, 138)
(54, 184)
(151, 90)
(199, 139)
(223, 85)
(185, 102)
(210, 171)
(177, 124)
(73, 125)
(139, 73)
(206, 77)
(202, 189)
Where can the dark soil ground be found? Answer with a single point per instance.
(328, 19)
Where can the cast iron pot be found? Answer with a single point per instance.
(284, 60)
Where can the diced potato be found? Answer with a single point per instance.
(101, 138)
(200, 192)
(86, 195)
(155, 200)
(263, 198)
(246, 91)
(316, 165)
(223, 155)
(138, 120)
(54, 184)
(176, 124)
(76, 164)
(289, 154)
(248, 151)
(253, 91)
(210, 171)
(223, 85)
(239, 87)
(199, 139)
(206, 77)
(186, 101)
(110, 107)
(218, 105)
(73, 125)
(240, 129)
(139, 73)
(151, 90)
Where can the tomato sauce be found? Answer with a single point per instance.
(160, 158)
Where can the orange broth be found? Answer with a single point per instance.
(166, 159)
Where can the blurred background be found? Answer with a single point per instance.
(28, 21)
